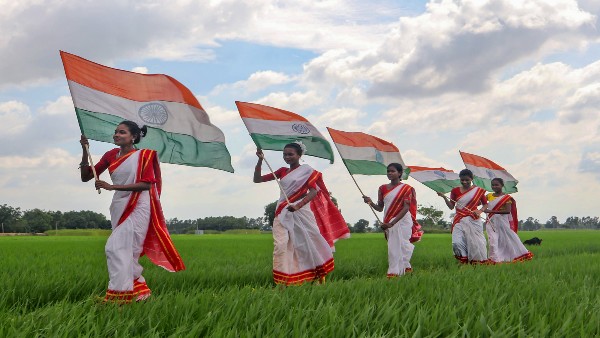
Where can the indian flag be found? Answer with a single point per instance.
(178, 127)
(438, 179)
(273, 128)
(366, 154)
(485, 170)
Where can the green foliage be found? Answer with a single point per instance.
(9, 216)
(361, 226)
(227, 291)
(432, 217)
(270, 213)
(218, 224)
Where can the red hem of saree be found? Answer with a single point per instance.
(299, 278)
(462, 259)
(524, 257)
(140, 291)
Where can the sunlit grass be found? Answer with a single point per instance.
(50, 286)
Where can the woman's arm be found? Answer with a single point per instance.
(503, 210)
(449, 203)
(140, 186)
(369, 201)
(257, 174)
(84, 166)
(312, 192)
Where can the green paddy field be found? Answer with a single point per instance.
(50, 285)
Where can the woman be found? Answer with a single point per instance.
(502, 226)
(399, 203)
(305, 229)
(138, 224)
(468, 241)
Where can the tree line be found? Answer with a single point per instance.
(14, 219)
(36, 220)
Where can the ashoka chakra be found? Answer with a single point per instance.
(154, 113)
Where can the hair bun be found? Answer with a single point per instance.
(143, 131)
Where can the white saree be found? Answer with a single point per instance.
(300, 252)
(468, 241)
(126, 241)
(504, 244)
(400, 249)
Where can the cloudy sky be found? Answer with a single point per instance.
(515, 81)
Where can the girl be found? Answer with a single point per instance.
(138, 224)
(305, 230)
(502, 226)
(398, 201)
(468, 242)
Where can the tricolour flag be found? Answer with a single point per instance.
(485, 170)
(438, 179)
(178, 127)
(273, 128)
(365, 154)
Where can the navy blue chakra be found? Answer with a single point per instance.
(300, 128)
(154, 113)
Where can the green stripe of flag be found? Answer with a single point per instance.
(171, 147)
(509, 186)
(317, 147)
(443, 186)
(365, 167)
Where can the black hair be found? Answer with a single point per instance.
(135, 130)
(499, 180)
(295, 146)
(398, 166)
(466, 172)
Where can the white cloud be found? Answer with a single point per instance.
(14, 117)
(457, 46)
(170, 30)
(256, 82)
(296, 102)
(140, 69)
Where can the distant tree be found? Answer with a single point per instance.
(589, 222)
(432, 216)
(9, 216)
(572, 222)
(376, 226)
(270, 213)
(361, 226)
(530, 224)
(36, 220)
(552, 223)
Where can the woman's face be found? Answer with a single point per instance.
(465, 181)
(392, 173)
(497, 187)
(290, 156)
(123, 136)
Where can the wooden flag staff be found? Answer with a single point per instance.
(277, 180)
(87, 149)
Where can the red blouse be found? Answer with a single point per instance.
(111, 156)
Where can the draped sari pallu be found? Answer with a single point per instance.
(312, 230)
(404, 232)
(396, 205)
(157, 245)
(471, 239)
(505, 245)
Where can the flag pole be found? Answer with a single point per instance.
(87, 149)
(277, 180)
(87, 146)
(356, 183)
